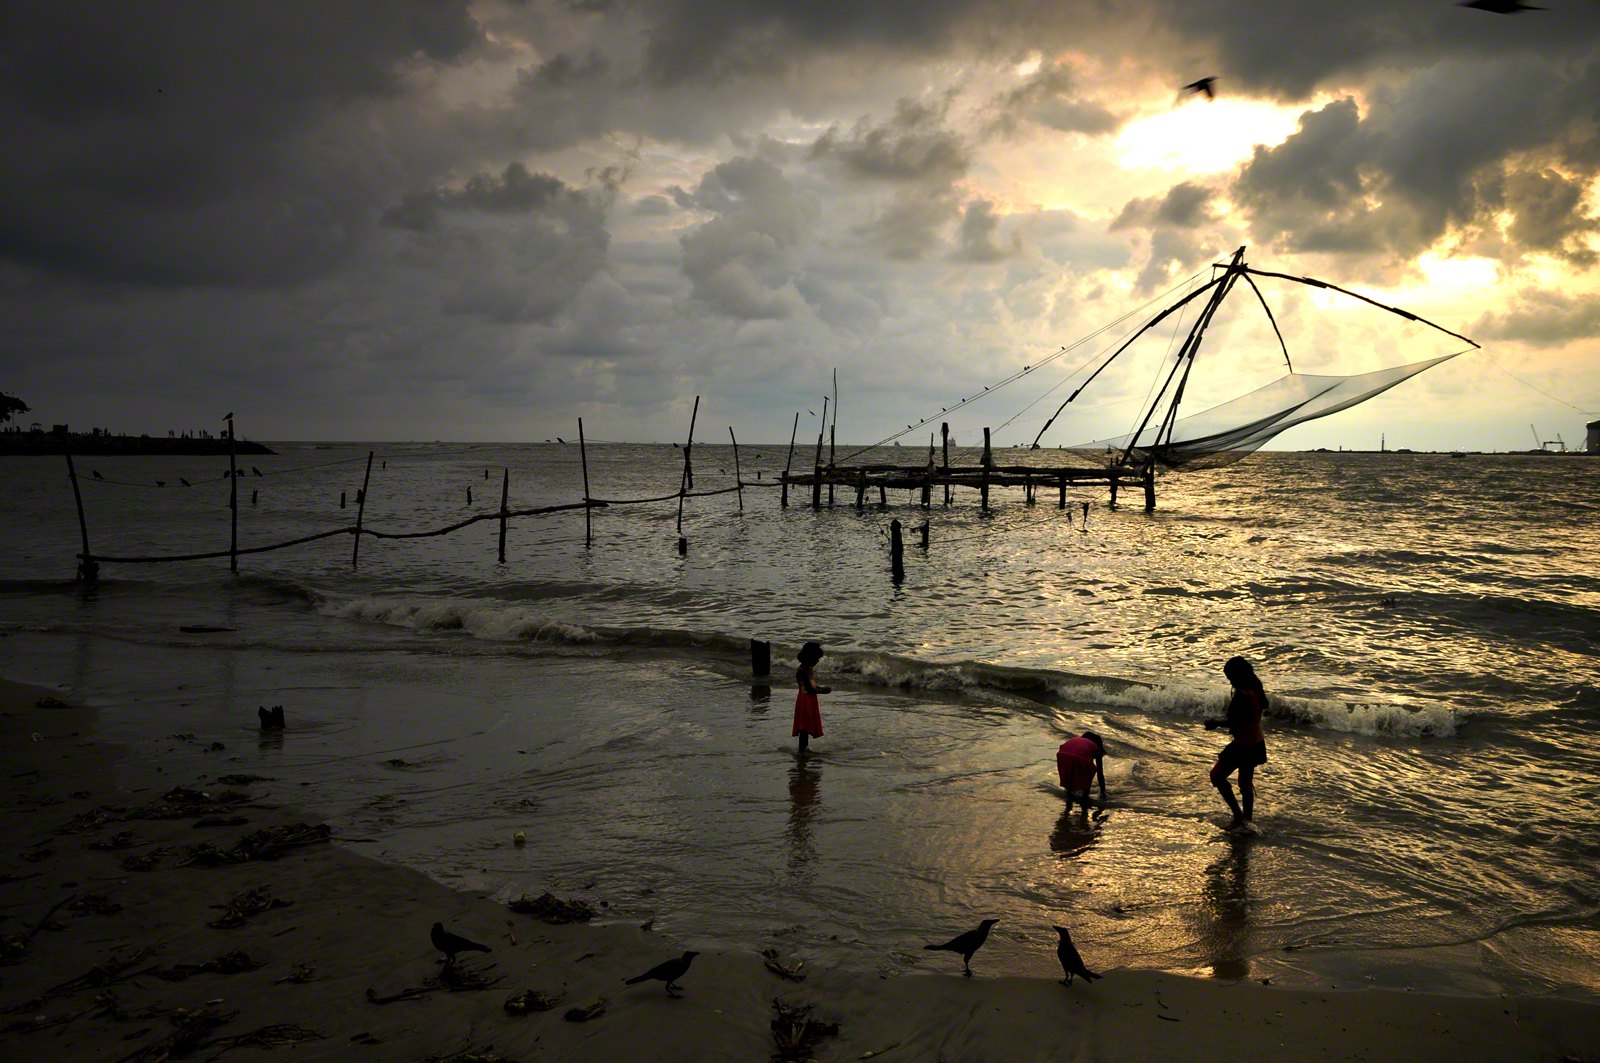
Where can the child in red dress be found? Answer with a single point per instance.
(807, 715)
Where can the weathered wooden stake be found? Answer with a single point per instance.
(683, 546)
(1063, 503)
(588, 510)
(687, 483)
(253, 497)
(924, 530)
(816, 464)
(233, 504)
(760, 657)
(833, 434)
(897, 551)
(505, 514)
(88, 568)
(341, 499)
(1150, 488)
(738, 478)
(988, 460)
(861, 490)
(361, 510)
(883, 495)
(789, 460)
(1113, 490)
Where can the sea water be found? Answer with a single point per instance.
(1425, 627)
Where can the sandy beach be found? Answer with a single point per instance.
(83, 984)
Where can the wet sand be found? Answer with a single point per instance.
(360, 924)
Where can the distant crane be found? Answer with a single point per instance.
(1559, 443)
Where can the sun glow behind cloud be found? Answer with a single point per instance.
(1204, 137)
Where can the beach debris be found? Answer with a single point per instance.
(519, 839)
(364, 1038)
(48, 702)
(511, 931)
(405, 994)
(483, 1055)
(186, 736)
(123, 839)
(103, 974)
(221, 821)
(94, 902)
(152, 859)
(192, 1028)
(588, 1011)
(464, 979)
(215, 747)
(228, 963)
(38, 853)
(878, 1051)
(450, 944)
(79, 793)
(281, 1033)
(13, 947)
(399, 762)
(648, 924)
(796, 1033)
(250, 902)
(529, 1001)
(302, 973)
(790, 973)
(243, 780)
(551, 909)
(181, 802)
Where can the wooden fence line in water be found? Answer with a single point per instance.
(983, 476)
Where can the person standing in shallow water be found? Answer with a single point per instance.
(807, 714)
(1248, 750)
(1080, 761)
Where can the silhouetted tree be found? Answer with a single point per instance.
(10, 406)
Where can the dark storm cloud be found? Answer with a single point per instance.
(1543, 319)
(743, 262)
(978, 237)
(1441, 154)
(913, 146)
(1185, 206)
(1050, 98)
(515, 191)
(161, 144)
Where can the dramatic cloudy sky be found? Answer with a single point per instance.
(405, 219)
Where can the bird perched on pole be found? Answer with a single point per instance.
(1203, 85)
(228, 416)
(97, 475)
(450, 944)
(966, 944)
(1071, 962)
(669, 972)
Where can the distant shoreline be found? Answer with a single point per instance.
(82, 443)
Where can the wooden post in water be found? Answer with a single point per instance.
(833, 435)
(588, 510)
(687, 483)
(944, 430)
(1150, 488)
(816, 464)
(861, 490)
(1113, 488)
(737, 477)
(988, 460)
(361, 509)
(924, 531)
(789, 461)
(1063, 503)
(232, 501)
(505, 512)
(883, 495)
(760, 658)
(897, 551)
(88, 568)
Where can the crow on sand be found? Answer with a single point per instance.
(966, 944)
(1071, 962)
(669, 972)
(450, 944)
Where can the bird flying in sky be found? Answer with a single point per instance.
(1203, 85)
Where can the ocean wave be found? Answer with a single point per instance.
(1018, 687)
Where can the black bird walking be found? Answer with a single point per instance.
(450, 944)
(668, 972)
(966, 944)
(255, 471)
(1071, 962)
(97, 475)
(1203, 85)
(184, 482)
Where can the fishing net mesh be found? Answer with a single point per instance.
(1224, 434)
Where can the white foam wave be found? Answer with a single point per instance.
(500, 625)
(1326, 713)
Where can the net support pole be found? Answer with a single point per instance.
(588, 510)
(1150, 488)
(687, 484)
(361, 512)
(738, 478)
(88, 567)
(784, 494)
(944, 432)
(816, 464)
(233, 504)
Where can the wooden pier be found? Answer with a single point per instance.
(1034, 480)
